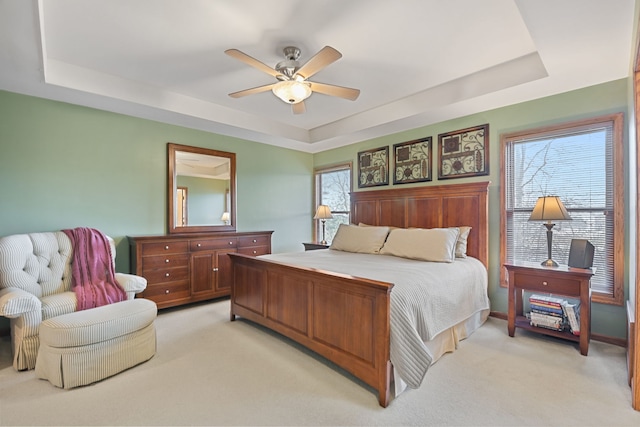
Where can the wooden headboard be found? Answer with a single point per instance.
(430, 207)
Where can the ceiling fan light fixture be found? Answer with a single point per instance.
(292, 91)
(293, 86)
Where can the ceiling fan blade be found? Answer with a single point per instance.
(333, 90)
(299, 108)
(251, 91)
(327, 55)
(241, 56)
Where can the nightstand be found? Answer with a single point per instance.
(561, 280)
(314, 246)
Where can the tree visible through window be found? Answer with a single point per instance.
(333, 188)
(580, 163)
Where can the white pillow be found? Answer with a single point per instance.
(425, 244)
(461, 243)
(366, 240)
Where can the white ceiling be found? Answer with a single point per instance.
(416, 62)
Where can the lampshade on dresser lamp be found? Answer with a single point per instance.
(549, 208)
(323, 214)
(225, 218)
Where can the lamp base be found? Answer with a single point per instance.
(324, 237)
(549, 262)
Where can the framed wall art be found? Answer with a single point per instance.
(373, 167)
(464, 152)
(412, 161)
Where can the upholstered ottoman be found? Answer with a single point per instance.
(83, 347)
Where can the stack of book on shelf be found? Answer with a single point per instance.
(554, 313)
(546, 312)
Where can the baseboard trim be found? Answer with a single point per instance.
(621, 342)
(498, 315)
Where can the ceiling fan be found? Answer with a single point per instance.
(292, 86)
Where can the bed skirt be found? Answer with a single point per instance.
(446, 342)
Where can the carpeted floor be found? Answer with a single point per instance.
(209, 371)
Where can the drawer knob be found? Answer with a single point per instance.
(166, 260)
(166, 275)
(215, 268)
(166, 291)
(231, 243)
(255, 252)
(254, 240)
(199, 245)
(166, 247)
(544, 283)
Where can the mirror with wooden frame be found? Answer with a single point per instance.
(201, 189)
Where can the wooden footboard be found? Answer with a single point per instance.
(341, 317)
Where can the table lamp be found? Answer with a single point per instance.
(323, 213)
(549, 208)
(225, 218)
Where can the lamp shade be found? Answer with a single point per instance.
(549, 208)
(292, 91)
(225, 216)
(323, 212)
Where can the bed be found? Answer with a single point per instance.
(345, 314)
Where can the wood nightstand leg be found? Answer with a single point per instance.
(584, 346)
(585, 317)
(511, 299)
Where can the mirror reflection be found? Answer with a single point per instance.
(201, 189)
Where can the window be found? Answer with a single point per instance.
(581, 163)
(333, 188)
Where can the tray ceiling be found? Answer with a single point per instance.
(416, 62)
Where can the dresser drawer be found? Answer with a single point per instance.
(209, 244)
(164, 261)
(254, 250)
(166, 275)
(245, 241)
(158, 248)
(541, 283)
(167, 291)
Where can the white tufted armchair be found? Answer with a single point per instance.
(35, 285)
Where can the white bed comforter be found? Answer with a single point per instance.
(427, 298)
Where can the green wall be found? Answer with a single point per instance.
(64, 166)
(590, 102)
(206, 199)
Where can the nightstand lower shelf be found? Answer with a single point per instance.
(523, 323)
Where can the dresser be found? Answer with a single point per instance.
(185, 268)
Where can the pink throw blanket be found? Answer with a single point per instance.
(93, 274)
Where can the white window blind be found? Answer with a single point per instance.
(333, 188)
(577, 164)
